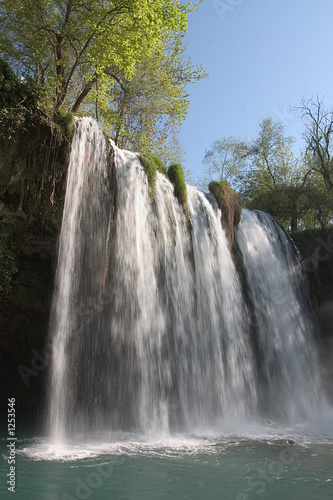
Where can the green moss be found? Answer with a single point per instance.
(65, 120)
(151, 165)
(176, 176)
(214, 185)
(160, 167)
(150, 170)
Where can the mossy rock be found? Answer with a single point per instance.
(65, 120)
(160, 167)
(230, 205)
(34, 151)
(176, 177)
(151, 165)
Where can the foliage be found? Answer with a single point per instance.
(318, 122)
(66, 121)
(281, 184)
(31, 156)
(225, 161)
(151, 165)
(270, 178)
(122, 61)
(273, 162)
(176, 177)
(18, 104)
(145, 111)
(307, 240)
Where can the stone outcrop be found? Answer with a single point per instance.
(231, 207)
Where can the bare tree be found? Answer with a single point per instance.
(318, 122)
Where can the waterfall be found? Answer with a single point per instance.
(284, 322)
(155, 328)
(82, 252)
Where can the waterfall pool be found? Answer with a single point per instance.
(252, 465)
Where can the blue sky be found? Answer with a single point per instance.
(263, 58)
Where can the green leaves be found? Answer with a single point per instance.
(18, 104)
(122, 60)
(226, 160)
(145, 111)
(270, 178)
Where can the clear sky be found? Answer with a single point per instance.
(263, 58)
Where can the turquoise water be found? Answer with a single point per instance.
(216, 467)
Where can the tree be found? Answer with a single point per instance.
(18, 105)
(318, 122)
(319, 197)
(147, 110)
(83, 51)
(273, 162)
(277, 182)
(226, 161)
(270, 178)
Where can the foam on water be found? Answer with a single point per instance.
(124, 444)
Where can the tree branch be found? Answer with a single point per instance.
(83, 94)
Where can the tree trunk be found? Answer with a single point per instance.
(83, 95)
(294, 221)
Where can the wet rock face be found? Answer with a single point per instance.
(33, 166)
(324, 310)
(24, 318)
(316, 249)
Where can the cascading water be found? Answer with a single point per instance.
(154, 329)
(282, 317)
(82, 254)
